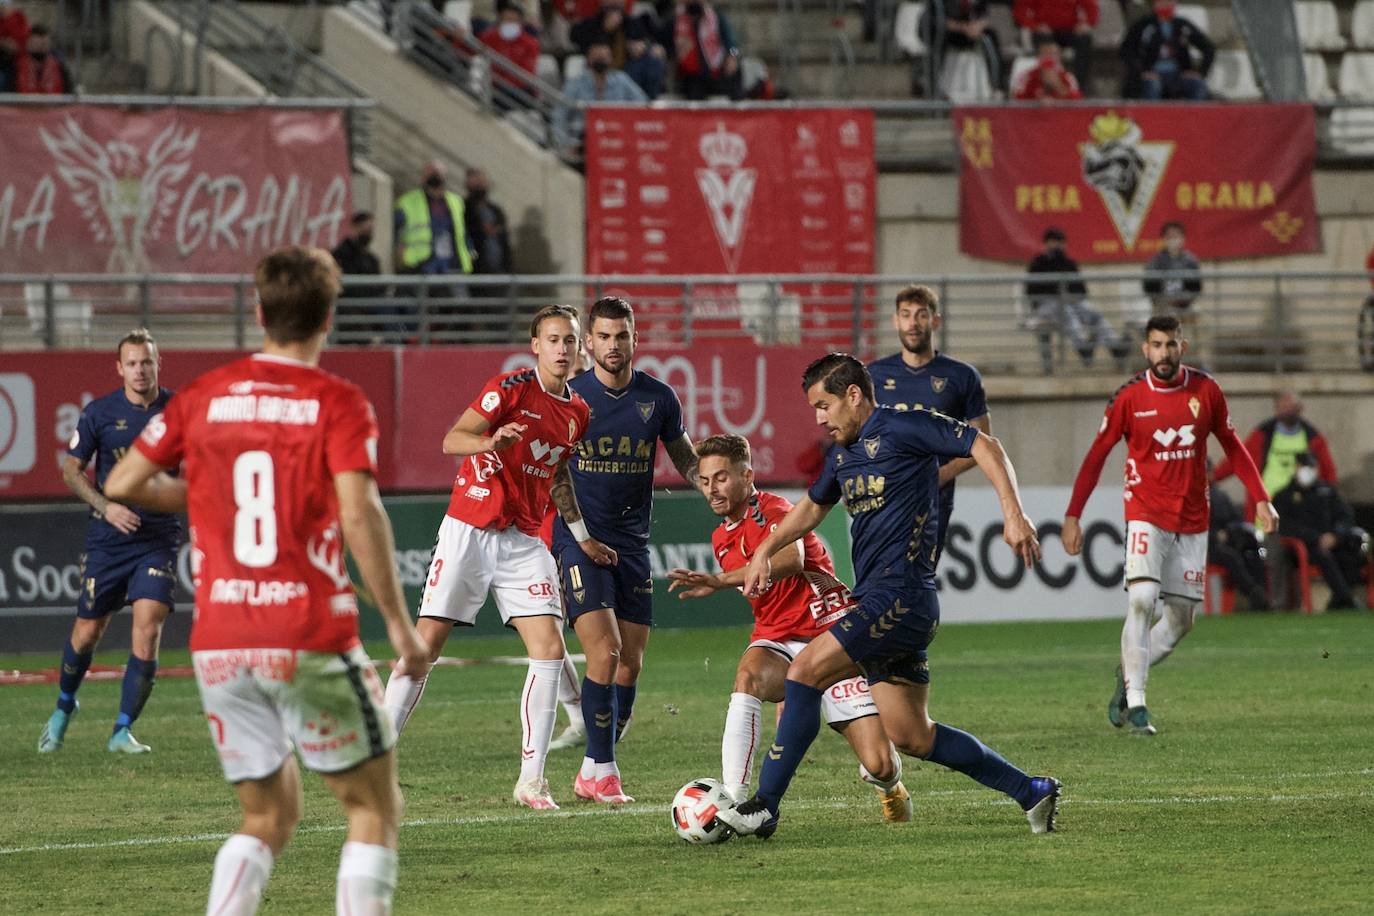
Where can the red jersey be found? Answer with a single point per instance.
(1166, 428)
(796, 607)
(259, 442)
(495, 490)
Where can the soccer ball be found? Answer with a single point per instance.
(694, 812)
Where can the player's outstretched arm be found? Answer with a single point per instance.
(787, 561)
(565, 500)
(803, 518)
(684, 458)
(138, 480)
(1017, 528)
(469, 435)
(121, 517)
(954, 467)
(367, 533)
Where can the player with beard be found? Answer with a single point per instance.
(920, 377)
(1165, 414)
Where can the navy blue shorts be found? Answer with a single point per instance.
(111, 579)
(627, 588)
(887, 633)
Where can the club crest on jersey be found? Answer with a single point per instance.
(871, 446)
(1194, 405)
(937, 385)
(645, 410)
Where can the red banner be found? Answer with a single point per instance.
(41, 396)
(93, 189)
(1239, 178)
(725, 387)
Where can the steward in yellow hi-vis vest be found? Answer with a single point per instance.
(430, 235)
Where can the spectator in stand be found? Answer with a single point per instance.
(355, 258)
(1048, 81)
(1233, 545)
(599, 83)
(647, 65)
(706, 52)
(961, 25)
(1068, 23)
(1311, 511)
(1063, 305)
(509, 38)
(1172, 280)
(486, 225)
(1276, 444)
(430, 231)
(38, 70)
(614, 26)
(558, 27)
(1166, 57)
(14, 34)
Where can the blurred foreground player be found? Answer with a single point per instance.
(279, 461)
(886, 470)
(804, 600)
(130, 555)
(1165, 414)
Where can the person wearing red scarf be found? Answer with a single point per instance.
(39, 71)
(1048, 81)
(1069, 22)
(707, 56)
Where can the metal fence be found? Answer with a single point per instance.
(1242, 321)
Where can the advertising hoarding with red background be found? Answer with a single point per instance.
(725, 387)
(94, 189)
(1239, 177)
(733, 192)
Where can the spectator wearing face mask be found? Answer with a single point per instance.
(600, 82)
(1067, 23)
(1166, 57)
(1311, 511)
(511, 40)
(355, 258)
(612, 24)
(38, 70)
(1047, 81)
(431, 236)
(706, 52)
(1276, 444)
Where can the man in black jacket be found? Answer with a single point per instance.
(355, 258)
(1166, 57)
(1312, 511)
(1232, 544)
(1061, 304)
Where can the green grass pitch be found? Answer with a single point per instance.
(1257, 796)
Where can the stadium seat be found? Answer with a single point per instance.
(780, 326)
(1195, 13)
(964, 78)
(1356, 79)
(1135, 307)
(546, 68)
(1352, 131)
(1217, 580)
(906, 28)
(1305, 571)
(1318, 80)
(753, 72)
(1318, 27)
(1362, 25)
(70, 319)
(1022, 65)
(1233, 76)
(573, 65)
(459, 11)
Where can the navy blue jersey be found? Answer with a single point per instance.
(613, 466)
(108, 426)
(889, 479)
(945, 385)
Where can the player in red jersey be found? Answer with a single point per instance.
(804, 600)
(489, 539)
(1165, 414)
(278, 464)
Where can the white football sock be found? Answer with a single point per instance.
(242, 867)
(367, 880)
(1135, 639)
(570, 691)
(608, 768)
(403, 694)
(884, 785)
(588, 770)
(1172, 627)
(739, 741)
(538, 708)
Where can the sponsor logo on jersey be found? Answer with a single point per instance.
(937, 385)
(476, 492)
(121, 424)
(1182, 437)
(871, 446)
(1142, 413)
(528, 413)
(890, 385)
(255, 593)
(490, 401)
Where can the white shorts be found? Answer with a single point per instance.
(1178, 562)
(844, 701)
(260, 702)
(468, 562)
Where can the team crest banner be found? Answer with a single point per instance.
(1239, 177)
(95, 189)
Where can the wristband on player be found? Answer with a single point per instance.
(579, 531)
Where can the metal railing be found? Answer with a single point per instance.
(1242, 320)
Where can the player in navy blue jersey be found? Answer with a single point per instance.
(611, 607)
(921, 377)
(886, 470)
(130, 553)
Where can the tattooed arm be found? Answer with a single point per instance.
(565, 500)
(684, 458)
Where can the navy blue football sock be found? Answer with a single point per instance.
(961, 751)
(598, 713)
(801, 721)
(138, 684)
(69, 679)
(625, 705)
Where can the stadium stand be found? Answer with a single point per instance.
(1233, 76)
(1318, 25)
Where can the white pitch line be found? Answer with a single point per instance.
(643, 810)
